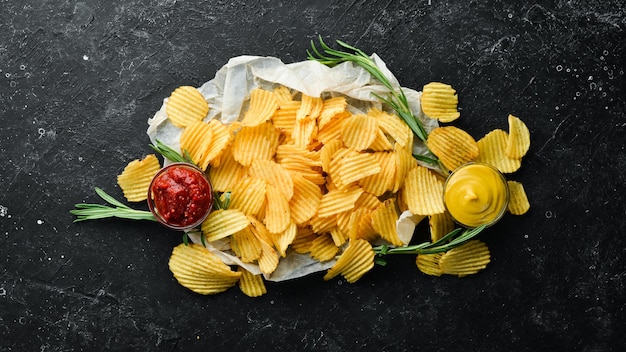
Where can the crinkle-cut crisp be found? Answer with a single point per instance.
(251, 285)
(201, 271)
(453, 146)
(354, 262)
(519, 138)
(136, 178)
(439, 101)
(186, 105)
(423, 192)
(469, 258)
(492, 151)
(518, 200)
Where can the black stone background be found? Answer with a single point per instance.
(79, 79)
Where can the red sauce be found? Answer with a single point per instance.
(182, 195)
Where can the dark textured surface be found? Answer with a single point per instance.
(79, 80)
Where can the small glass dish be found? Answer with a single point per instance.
(469, 185)
(180, 196)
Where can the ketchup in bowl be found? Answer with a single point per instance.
(180, 196)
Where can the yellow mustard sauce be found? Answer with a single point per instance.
(476, 194)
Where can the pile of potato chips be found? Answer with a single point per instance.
(306, 175)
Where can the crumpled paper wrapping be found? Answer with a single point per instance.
(228, 93)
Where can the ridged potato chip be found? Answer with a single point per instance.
(221, 138)
(429, 264)
(277, 215)
(305, 201)
(519, 138)
(245, 245)
(518, 200)
(337, 201)
(393, 126)
(303, 241)
(492, 151)
(195, 141)
(227, 174)
(269, 258)
(380, 182)
(323, 248)
(284, 239)
(354, 262)
(186, 105)
(136, 177)
(255, 142)
(262, 106)
(223, 222)
(440, 225)
(248, 196)
(284, 118)
(453, 146)
(404, 163)
(469, 258)
(273, 174)
(439, 101)
(332, 130)
(282, 94)
(355, 166)
(331, 108)
(251, 285)
(384, 222)
(359, 131)
(201, 271)
(423, 192)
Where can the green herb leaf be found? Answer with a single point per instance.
(86, 211)
(451, 240)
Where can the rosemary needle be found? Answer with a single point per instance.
(86, 211)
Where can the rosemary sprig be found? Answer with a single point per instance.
(86, 211)
(170, 153)
(396, 99)
(451, 240)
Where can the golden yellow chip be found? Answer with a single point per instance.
(393, 126)
(331, 108)
(284, 239)
(384, 222)
(245, 245)
(248, 196)
(229, 172)
(338, 236)
(136, 177)
(309, 157)
(453, 146)
(381, 142)
(492, 151)
(440, 225)
(310, 109)
(331, 131)
(355, 165)
(423, 192)
(354, 262)
(195, 141)
(273, 174)
(201, 271)
(186, 105)
(429, 264)
(327, 152)
(251, 285)
(383, 181)
(323, 248)
(221, 139)
(263, 104)
(305, 201)
(337, 201)
(269, 258)
(304, 131)
(439, 101)
(255, 142)
(277, 214)
(304, 239)
(404, 163)
(519, 138)
(284, 118)
(223, 223)
(359, 131)
(518, 201)
(469, 258)
(323, 224)
(282, 94)
(361, 225)
(367, 200)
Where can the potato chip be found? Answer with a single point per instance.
(404, 163)
(381, 142)
(263, 104)
(255, 142)
(453, 146)
(439, 101)
(337, 201)
(518, 201)
(469, 258)
(201, 271)
(305, 201)
(304, 132)
(331, 131)
(330, 109)
(393, 126)
(268, 261)
(429, 264)
(284, 118)
(303, 241)
(338, 236)
(323, 248)
(195, 141)
(277, 215)
(383, 181)
(355, 166)
(251, 285)
(423, 192)
(308, 157)
(186, 105)
(519, 138)
(285, 238)
(310, 109)
(245, 245)
(136, 178)
(367, 200)
(384, 222)
(282, 94)
(324, 224)
(227, 174)
(327, 152)
(362, 226)
(248, 196)
(354, 262)
(223, 222)
(440, 225)
(273, 174)
(221, 139)
(359, 131)
(492, 149)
